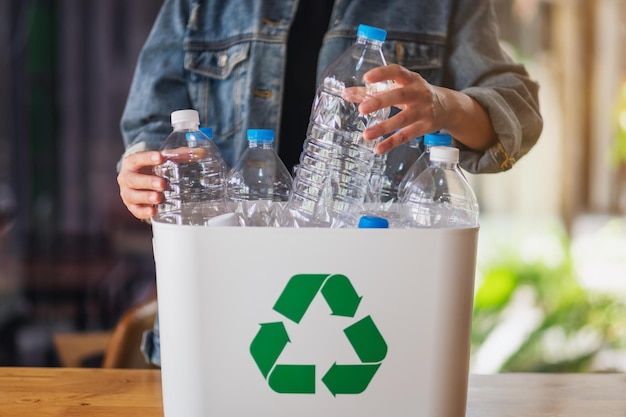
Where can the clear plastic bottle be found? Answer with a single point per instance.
(258, 181)
(389, 169)
(375, 183)
(332, 177)
(441, 197)
(195, 172)
(422, 162)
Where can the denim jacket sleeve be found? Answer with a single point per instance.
(159, 85)
(479, 67)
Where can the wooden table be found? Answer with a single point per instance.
(547, 395)
(67, 392)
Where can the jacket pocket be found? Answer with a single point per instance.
(217, 74)
(424, 57)
(215, 59)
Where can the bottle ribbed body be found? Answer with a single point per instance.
(334, 169)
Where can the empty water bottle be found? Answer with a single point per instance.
(422, 162)
(332, 177)
(441, 197)
(259, 181)
(195, 172)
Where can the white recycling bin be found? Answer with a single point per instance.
(282, 322)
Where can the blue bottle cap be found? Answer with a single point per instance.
(208, 131)
(438, 139)
(261, 135)
(373, 222)
(372, 33)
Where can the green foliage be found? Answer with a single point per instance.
(575, 324)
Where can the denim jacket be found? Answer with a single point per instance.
(226, 60)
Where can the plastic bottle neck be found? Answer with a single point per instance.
(258, 144)
(368, 43)
(185, 126)
(444, 164)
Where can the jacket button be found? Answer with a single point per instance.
(222, 60)
(400, 52)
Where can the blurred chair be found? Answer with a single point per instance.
(77, 349)
(123, 348)
(118, 348)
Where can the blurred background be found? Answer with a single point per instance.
(551, 271)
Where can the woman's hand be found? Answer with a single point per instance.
(424, 108)
(140, 189)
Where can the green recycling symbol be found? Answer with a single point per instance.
(292, 303)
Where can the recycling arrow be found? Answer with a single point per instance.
(363, 335)
(349, 379)
(298, 295)
(293, 379)
(267, 345)
(366, 340)
(341, 296)
(302, 289)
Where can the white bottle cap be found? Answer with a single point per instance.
(185, 116)
(444, 154)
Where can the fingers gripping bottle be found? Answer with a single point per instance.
(441, 197)
(195, 172)
(258, 180)
(332, 177)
